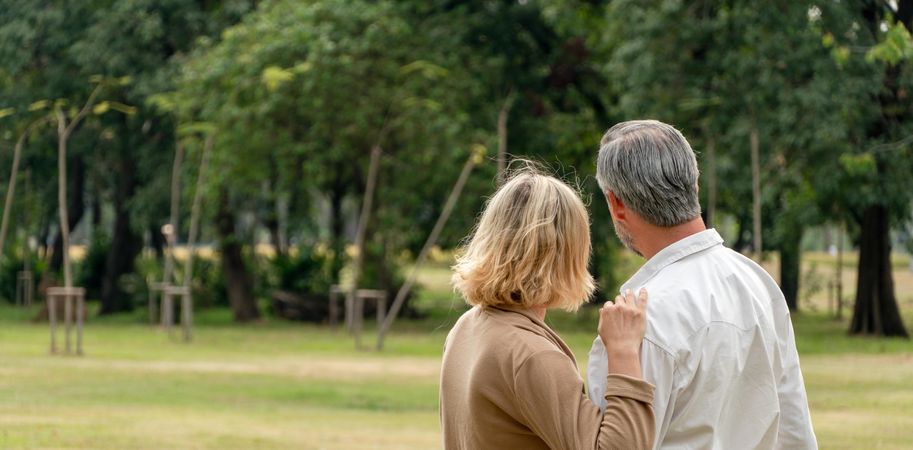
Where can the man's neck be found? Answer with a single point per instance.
(654, 239)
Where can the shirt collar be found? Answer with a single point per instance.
(685, 247)
(544, 329)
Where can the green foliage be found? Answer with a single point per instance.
(10, 266)
(895, 46)
(90, 270)
(304, 271)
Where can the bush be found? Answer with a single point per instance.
(90, 272)
(207, 286)
(304, 271)
(10, 266)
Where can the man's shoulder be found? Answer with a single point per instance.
(690, 294)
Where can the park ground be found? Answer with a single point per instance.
(286, 385)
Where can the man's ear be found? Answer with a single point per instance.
(616, 207)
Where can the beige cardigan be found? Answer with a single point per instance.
(509, 382)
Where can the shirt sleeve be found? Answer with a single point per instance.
(597, 369)
(658, 367)
(795, 430)
(551, 399)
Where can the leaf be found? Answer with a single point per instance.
(841, 55)
(478, 153)
(302, 67)
(861, 164)
(40, 104)
(122, 108)
(101, 108)
(96, 79)
(195, 128)
(275, 76)
(163, 102)
(427, 69)
(6, 112)
(897, 46)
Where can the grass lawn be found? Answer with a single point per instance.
(283, 385)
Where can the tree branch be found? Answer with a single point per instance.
(85, 109)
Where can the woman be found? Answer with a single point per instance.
(508, 381)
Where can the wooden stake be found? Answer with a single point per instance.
(175, 213)
(403, 292)
(195, 209)
(366, 207)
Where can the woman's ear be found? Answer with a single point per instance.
(616, 207)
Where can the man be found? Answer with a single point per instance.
(719, 344)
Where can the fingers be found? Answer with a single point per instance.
(642, 299)
(630, 300)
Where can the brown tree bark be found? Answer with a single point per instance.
(337, 224)
(790, 266)
(271, 219)
(126, 243)
(238, 279)
(711, 182)
(876, 311)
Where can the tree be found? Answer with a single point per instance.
(871, 178)
(745, 82)
(49, 49)
(336, 80)
(14, 173)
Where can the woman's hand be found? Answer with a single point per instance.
(621, 327)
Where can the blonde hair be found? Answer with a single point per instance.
(530, 248)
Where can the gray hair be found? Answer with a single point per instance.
(652, 169)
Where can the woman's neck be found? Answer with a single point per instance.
(539, 311)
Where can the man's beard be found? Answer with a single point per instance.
(626, 239)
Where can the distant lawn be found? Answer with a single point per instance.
(279, 385)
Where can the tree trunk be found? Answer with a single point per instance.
(126, 244)
(876, 311)
(64, 131)
(337, 224)
(503, 115)
(741, 242)
(156, 241)
(790, 266)
(839, 272)
(75, 208)
(238, 280)
(271, 221)
(711, 182)
(272, 224)
(11, 188)
(756, 192)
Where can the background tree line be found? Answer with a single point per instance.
(799, 111)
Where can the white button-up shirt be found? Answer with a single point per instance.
(719, 347)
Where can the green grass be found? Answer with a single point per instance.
(284, 385)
